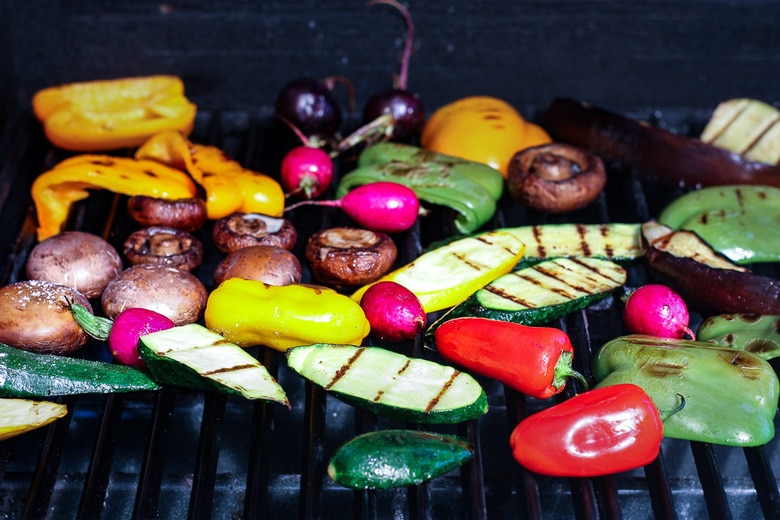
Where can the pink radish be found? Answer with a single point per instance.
(123, 332)
(657, 310)
(306, 171)
(383, 206)
(393, 311)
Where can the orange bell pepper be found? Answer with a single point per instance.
(481, 129)
(111, 114)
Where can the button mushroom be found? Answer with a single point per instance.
(185, 214)
(77, 259)
(239, 230)
(556, 178)
(268, 264)
(164, 246)
(344, 257)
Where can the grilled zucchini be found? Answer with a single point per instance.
(18, 416)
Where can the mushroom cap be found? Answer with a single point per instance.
(240, 230)
(268, 264)
(185, 214)
(164, 246)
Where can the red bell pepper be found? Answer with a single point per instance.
(598, 432)
(533, 360)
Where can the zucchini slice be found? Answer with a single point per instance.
(26, 374)
(393, 458)
(18, 416)
(192, 356)
(390, 384)
(543, 292)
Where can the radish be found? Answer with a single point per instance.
(306, 171)
(393, 311)
(123, 332)
(382, 206)
(657, 310)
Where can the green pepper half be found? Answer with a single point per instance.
(754, 333)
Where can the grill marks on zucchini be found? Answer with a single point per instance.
(391, 384)
(618, 241)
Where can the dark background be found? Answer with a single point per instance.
(233, 54)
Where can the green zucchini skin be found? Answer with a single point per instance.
(391, 385)
(393, 458)
(26, 374)
(192, 356)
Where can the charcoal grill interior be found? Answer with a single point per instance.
(186, 454)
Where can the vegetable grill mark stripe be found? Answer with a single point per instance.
(433, 402)
(227, 370)
(582, 231)
(345, 368)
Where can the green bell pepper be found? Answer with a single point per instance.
(757, 334)
(739, 221)
(730, 396)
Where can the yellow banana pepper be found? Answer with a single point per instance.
(111, 114)
(482, 129)
(249, 313)
(54, 191)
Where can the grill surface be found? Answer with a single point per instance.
(179, 454)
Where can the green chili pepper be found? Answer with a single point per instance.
(739, 221)
(757, 334)
(730, 396)
(433, 182)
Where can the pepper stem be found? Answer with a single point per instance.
(95, 326)
(564, 370)
(665, 414)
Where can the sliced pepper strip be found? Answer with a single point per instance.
(111, 114)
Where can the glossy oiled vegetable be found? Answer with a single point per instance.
(754, 333)
(390, 384)
(598, 432)
(447, 275)
(730, 396)
(392, 458)
(191, 356)
(24, 374)
(18, 416)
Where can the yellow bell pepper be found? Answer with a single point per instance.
(111, 114)
(482, 129)
(447, 275)
(249, 313)
(19, 416)
(54, 191)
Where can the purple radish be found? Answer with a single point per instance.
(382, 206)
(657, 310)
(311, 105)
(393, 311)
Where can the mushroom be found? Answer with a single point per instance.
(268, 264)
(172, 292)
(164, 246)
(185, 214)
(77, 259)
(239, 230)
(556, 178)
(35, 315)
(342, 256)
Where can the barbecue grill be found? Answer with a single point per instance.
(186, 454)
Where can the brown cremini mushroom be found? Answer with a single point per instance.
(556, 178)
(185, 214)
(268, 264)
(77, 259)
(164, 246)
(240, 230)
(344, 257)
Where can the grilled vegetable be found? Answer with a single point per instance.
(542, 292)
(650, 151)
(447, 275)
(390, 384)
(392, 458)
(598, 432)
(725, 289)
(752, 333)
(748, 127)
(730, 396)
(533, 360)
(24, 374)
(249, 312)
(18, 416)
(191, 356)
(738, 221)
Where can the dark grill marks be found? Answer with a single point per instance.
(345, 368)
(433, 402)
(584, 246)
(537, 231)
(485, 240)
(234, 368)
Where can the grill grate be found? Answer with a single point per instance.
(181, 454)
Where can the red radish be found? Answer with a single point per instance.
(393, 311)
(306, 171)
(383, 206)
(123, 332)
(657, 310)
